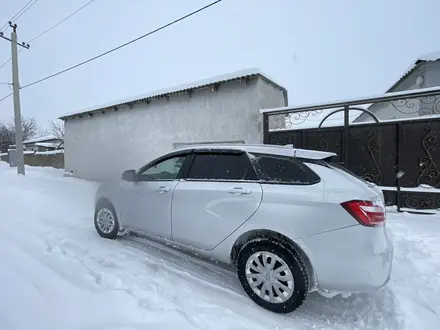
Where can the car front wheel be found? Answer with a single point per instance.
(273, 275)
(106, 221)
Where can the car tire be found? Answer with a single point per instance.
(106, 220)
(289, 287)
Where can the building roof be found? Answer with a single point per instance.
(429, 57)
(229, 77)
(48, 144)
(41, 139)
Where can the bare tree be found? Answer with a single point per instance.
(5, 137)
(56, 128)
(29, 128)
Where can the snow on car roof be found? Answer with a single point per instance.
(268, 149)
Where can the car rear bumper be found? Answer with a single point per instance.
(353, 259)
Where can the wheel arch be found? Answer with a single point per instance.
(105, 200)
(277, 237)
(102, 200)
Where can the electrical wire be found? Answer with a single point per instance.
(18, 14)
(117, 48)
(51, 28)
(2, 66)
(17, 17)
(7, 23)
(63, 20)
(5, 97)
(123, 45)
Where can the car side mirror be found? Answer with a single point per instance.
(129, 175)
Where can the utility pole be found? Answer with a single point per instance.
(16, 94)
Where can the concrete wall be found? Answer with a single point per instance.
(103, 146)
(270, 100)
(55, 160)
(51, 159)
(430, 71)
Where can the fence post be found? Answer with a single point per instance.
(399, 175)
(399, 172)
(266, 128)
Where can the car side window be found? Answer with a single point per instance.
(165, 170)
(222, 166)
(282, 169)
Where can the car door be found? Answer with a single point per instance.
(148, 198)
(219, 194)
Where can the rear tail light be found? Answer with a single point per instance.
(367, 213)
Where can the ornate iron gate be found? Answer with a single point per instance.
(378, 151)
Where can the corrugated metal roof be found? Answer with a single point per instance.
(429, 57)
(242, 74)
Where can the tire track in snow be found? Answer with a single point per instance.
(102, 279)
(316, 313)
(179, 285)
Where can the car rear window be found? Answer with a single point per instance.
(282, 169)
(346, 170)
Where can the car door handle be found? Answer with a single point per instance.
(162, 189)
(239, 191)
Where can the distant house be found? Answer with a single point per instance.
(103, 141)
(44, 143)
(424, 72)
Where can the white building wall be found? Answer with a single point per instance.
(104, 145)
(270, 100)
(404, 109)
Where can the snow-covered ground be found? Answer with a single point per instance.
(57, 273)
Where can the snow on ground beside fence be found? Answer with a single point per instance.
(57, 273)
(50, 152)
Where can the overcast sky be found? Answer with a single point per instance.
(320, 50)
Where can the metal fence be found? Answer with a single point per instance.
(376, 151)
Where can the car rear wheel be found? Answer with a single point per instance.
(273, 275)
(106, 221)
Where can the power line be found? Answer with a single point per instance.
(18, 14)
(7, 23)
(63, 20)
(1, 67)
(51, 28)
(123, 45)
(119, 47)
(17, 17)
(5, 97)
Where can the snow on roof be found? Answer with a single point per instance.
(41, 139)
(181, 88)
(429, 57)
(47, 144)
